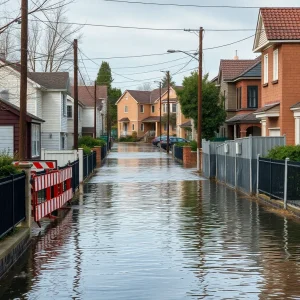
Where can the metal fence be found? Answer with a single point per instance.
(12, 202)
(85, 166)
(279, 179)
(236, 161)
(178, 152)
(209, 158)
(103, 152)
(75, 174)
(89, 164)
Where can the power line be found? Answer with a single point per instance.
(181, 5)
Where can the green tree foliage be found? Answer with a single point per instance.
(113, 95)
(104, 76)
(172, 120)
(213, 113)
(165, 81)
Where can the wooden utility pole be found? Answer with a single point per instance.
(199, 125)
(75, 94)
(168, 112)
(95, 111)
(23, 82)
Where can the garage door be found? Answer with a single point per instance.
(7, 139)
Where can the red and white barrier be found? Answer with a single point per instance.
(41, 165)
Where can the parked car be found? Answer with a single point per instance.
(172, 141)
(156, 140)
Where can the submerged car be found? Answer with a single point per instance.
(156, 140)
(172, 141)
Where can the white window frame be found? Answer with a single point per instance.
(153, 109)
(70, 117)
(275, 65)
(35, 140)
(171, 107)
(142, 127)
(142, 109)
(266, 69)
(64, 104)
(125, 109)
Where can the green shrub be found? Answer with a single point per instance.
(6, 166)
(283, 152)
(90, 142)
(193, 145)
(134, 134)
(86, 150)
(127, 139)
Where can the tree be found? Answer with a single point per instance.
(172, 119)
(145, 87)
(213, 113)
(104, 76)
(165, 81)
(113, 96)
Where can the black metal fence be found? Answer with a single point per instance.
(12, 202)
(178, 152)
(280, 179)
(94, 160)
(103, 152)
(89, 164)
(75, 174)
(85, 166)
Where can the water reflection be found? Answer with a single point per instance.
(145, 228)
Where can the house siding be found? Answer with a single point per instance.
(52, 143)
(263, 37)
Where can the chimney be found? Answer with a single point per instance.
(236, 55)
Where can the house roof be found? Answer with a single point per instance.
(54, 80)
(281, 23)
(86, 94)
(233, 68)
(124, 120)
(267, 107)
(16, 110)
(243, 118)
(151, 119)
(186, 124)
(49, 80)
(142, 97)
(297, 105)
(155, 94)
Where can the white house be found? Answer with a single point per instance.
(46, 99)
(87, 100)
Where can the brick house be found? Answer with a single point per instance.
(139, 111)
(240, 85)
(278, 40)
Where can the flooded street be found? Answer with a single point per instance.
(146, 228)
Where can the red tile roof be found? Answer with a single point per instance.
(86, 94)
(281, 23)
(232, 68)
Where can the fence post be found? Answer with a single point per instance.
(235, 165)
(285, 181)
(80, 157)
(27, 169)
(250, 161)
(257, 176)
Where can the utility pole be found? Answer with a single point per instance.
(75, 94)
(95, 111)
(199, 125)
(168, 110)
(23, 82)
(107, 122)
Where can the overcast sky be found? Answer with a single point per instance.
(100, 42)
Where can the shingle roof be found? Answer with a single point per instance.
(142, 97)
(297, 105)
(124, 120)
(267, 107)
(16, 109)
(55, 80)
(250, 117)
(186, 124)
(86, 94)
(281, 23)
(233, 68)
(151, 119)
(155, 94)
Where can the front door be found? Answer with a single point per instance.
(125, 128)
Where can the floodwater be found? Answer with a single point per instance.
(146, 228)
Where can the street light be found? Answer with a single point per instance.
(199, 125)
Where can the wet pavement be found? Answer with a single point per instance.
(146, 228)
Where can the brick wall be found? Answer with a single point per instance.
(189, 157)
(98, 155)
(244, 85)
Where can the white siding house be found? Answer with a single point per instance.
(47, 99)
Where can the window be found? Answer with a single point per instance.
(69, 112)
(164, 108)
(63, 142)
(126, 109)
(266, 69)
(173, 108)
(152, 108)
(275, 65)
(252, 96)
(64, 104)
(142, 108)
(142, 127)
(35, 140)
(132, 127)
(239, 98)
